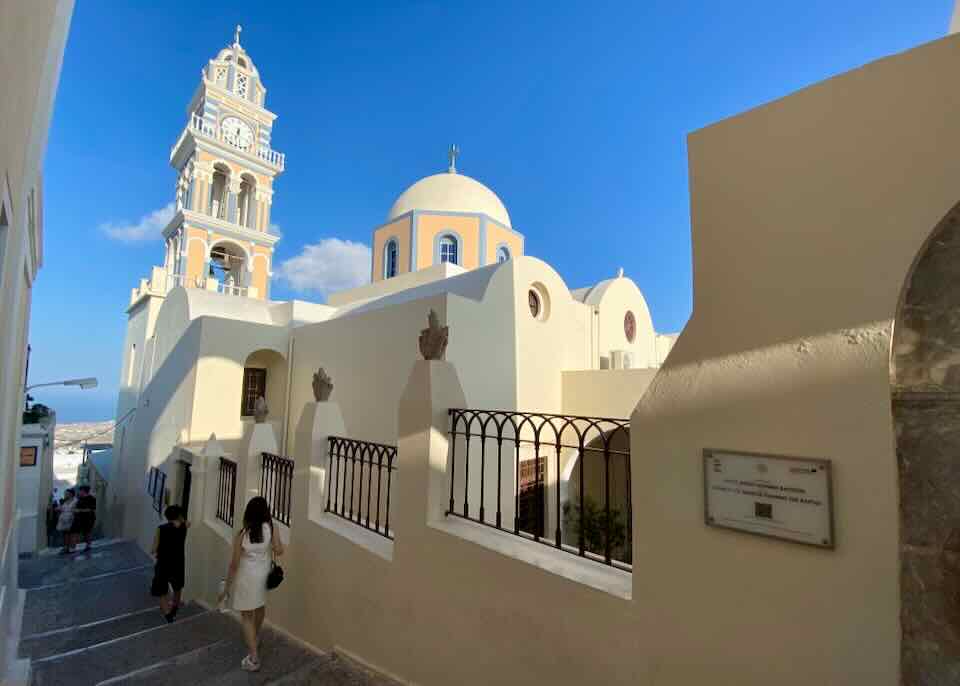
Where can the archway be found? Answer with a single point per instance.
(925, 371)
(594, 469)
(264, 374)
(228, 264)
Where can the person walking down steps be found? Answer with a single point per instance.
(65, 519)
(168, 550)
(245, 588)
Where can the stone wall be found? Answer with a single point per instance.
(926, 408)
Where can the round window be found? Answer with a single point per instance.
(630, 326)
(533, 298)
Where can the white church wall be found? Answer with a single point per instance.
(160, 423)
(368, 356)
(140, 326)
(619, 296)
(559, 339)
(226, 347)
(379, 289)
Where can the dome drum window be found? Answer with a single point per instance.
(391, 259)
(449, 250)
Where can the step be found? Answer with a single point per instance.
(48, 570)
(332, 670)
(279, 656)
(86, 601)
(105, 661)
(195, 667)
(58, 641)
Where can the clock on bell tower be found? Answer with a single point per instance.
(219, 238)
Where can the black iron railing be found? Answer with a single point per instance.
(156, 485)
(276, 485)
(346, 495)
(560, 480)
(226, 491)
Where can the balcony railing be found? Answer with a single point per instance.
(228, 289)
(200, 127)
(560, 480)
(162, 282)
(350, 493)
(226, 491)
(276, 485)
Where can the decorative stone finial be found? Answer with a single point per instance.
(260, 410)
(452, 155)
(322, 386)
(236, 35)
(433, 339)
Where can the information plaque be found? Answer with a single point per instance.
(769, 495)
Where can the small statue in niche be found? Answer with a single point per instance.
(322, 386)
(260, 410)
(433, 339)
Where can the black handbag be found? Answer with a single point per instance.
(275, 577)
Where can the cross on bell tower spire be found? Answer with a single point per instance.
(236, 35)
(452, 155)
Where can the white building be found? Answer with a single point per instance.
(32, 38)
(199, 351)
(35, 482)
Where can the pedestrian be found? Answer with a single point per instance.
(85, 516)
(254, 548)
(168, 551)
(65, 520)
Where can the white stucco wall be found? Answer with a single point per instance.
(32, 39)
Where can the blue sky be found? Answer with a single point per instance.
(575, 114)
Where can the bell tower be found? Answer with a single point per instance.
(219, 238)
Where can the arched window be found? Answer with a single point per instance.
(503, 254)
(245, 201)
(391, 258)
(448, 249)
(217, 206)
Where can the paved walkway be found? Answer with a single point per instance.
(89, 620)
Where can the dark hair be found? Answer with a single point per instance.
(173, 513)
(84, 488)
(255, 516)
(70, 491)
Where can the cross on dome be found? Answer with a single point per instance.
(452, 155)
(236, 35)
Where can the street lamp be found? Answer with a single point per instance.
(84, 384)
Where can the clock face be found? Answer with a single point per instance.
(237, 132)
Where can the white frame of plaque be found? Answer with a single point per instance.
(825, 465)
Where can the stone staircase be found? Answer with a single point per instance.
(89, 620)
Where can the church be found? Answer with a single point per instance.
(205, 340)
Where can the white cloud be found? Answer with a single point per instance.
(328, 266)
(148, 228)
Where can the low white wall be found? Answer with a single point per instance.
(418, 606)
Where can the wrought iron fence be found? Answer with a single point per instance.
(226, 491)
(348, 458)
(560, 480)
(156, 486)
(276, 485)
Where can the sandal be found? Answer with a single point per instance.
(248, 664)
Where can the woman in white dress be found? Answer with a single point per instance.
(246, 584)
(65, 520)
